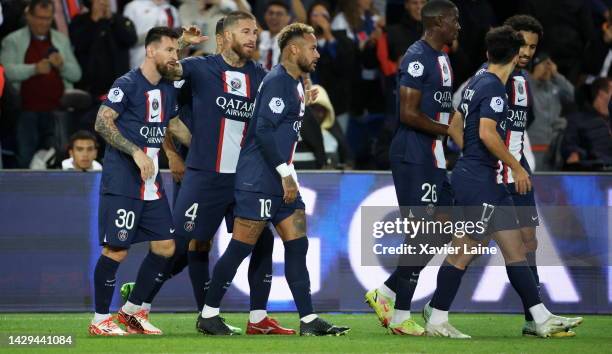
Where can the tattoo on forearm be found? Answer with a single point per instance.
(105, 126)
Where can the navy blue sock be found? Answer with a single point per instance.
(391, 282)
(175, 266)
(104, 283)
(407, 280)
(531, 260)
(260, 270)
(151, 273)
(199, 275)
(523, 282)
(297, 274)
(225, 270)
(447, 286)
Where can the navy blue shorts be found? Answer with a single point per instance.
(425, 189)
(265, 207)
(525, 207)
(483, 201)
(204, 199)
(123, 221)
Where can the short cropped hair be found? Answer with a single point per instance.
(42, 3)
(233, 17)
(279, 3)
(82, 135)
(525, 23)
(503, 44)
(294, 30)
(435, 8)
(155, 34)
(219, 26)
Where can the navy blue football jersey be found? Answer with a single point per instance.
(427, 70)
(144, 111)
(273, 135)
(515, 124)
(223, 102)
(483, 97)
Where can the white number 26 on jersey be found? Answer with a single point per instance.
(430, 193)
(265, 206)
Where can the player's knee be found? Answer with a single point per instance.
(116, 254)
(165, 248)
(529, 240)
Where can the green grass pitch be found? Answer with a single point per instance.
(491, 333)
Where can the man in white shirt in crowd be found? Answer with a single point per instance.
(146, 14)
(83, 150)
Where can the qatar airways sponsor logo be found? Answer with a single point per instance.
(153, 135)
(518, 118)
(444, 98)
(233, 107)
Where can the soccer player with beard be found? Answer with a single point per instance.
(266, 185)
(478, 127)
(133, 206)
(417, 157)
(223, 89)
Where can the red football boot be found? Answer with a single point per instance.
(268, 326)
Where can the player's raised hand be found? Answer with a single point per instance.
(145, 164)
(192, 35)
(290, 189)
(522, 182)
(311, 93)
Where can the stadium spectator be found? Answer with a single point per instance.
(40, 64)
(297, 9)
(146, 14)
(550, 91)
(205, 14)
(569, 28)
(362, 25)
(400, 36)
(101, 42)
(587, 143)
(323, 143)
(336, 51)
(276, 17)
(83, 150)
(598, 56)
(476, 18)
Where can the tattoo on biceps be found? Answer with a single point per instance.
(105, 126)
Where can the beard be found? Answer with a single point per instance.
(238, 48)
(164, 69)
(305, 66)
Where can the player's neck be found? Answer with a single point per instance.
(433, 40)
(292, 68)
(232, 59)
(501, 71)
(149, 71)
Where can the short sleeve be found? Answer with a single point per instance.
(413, 72)
(117, 97)
(273, 102)
(494, 107)
(190, 66)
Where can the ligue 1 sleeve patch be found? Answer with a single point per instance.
(497, 104)
(276, 105)
(115, 94)
(415, 69)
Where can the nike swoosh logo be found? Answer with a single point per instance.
(155, 116)
(521, 99)
(534, 218)
(171, 231)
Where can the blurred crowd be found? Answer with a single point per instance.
(59, 58)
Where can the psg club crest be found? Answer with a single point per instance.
(155, 104)
(430, 209)
(236, 84)
(122, 235)
(189, 226)
(521, 90)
